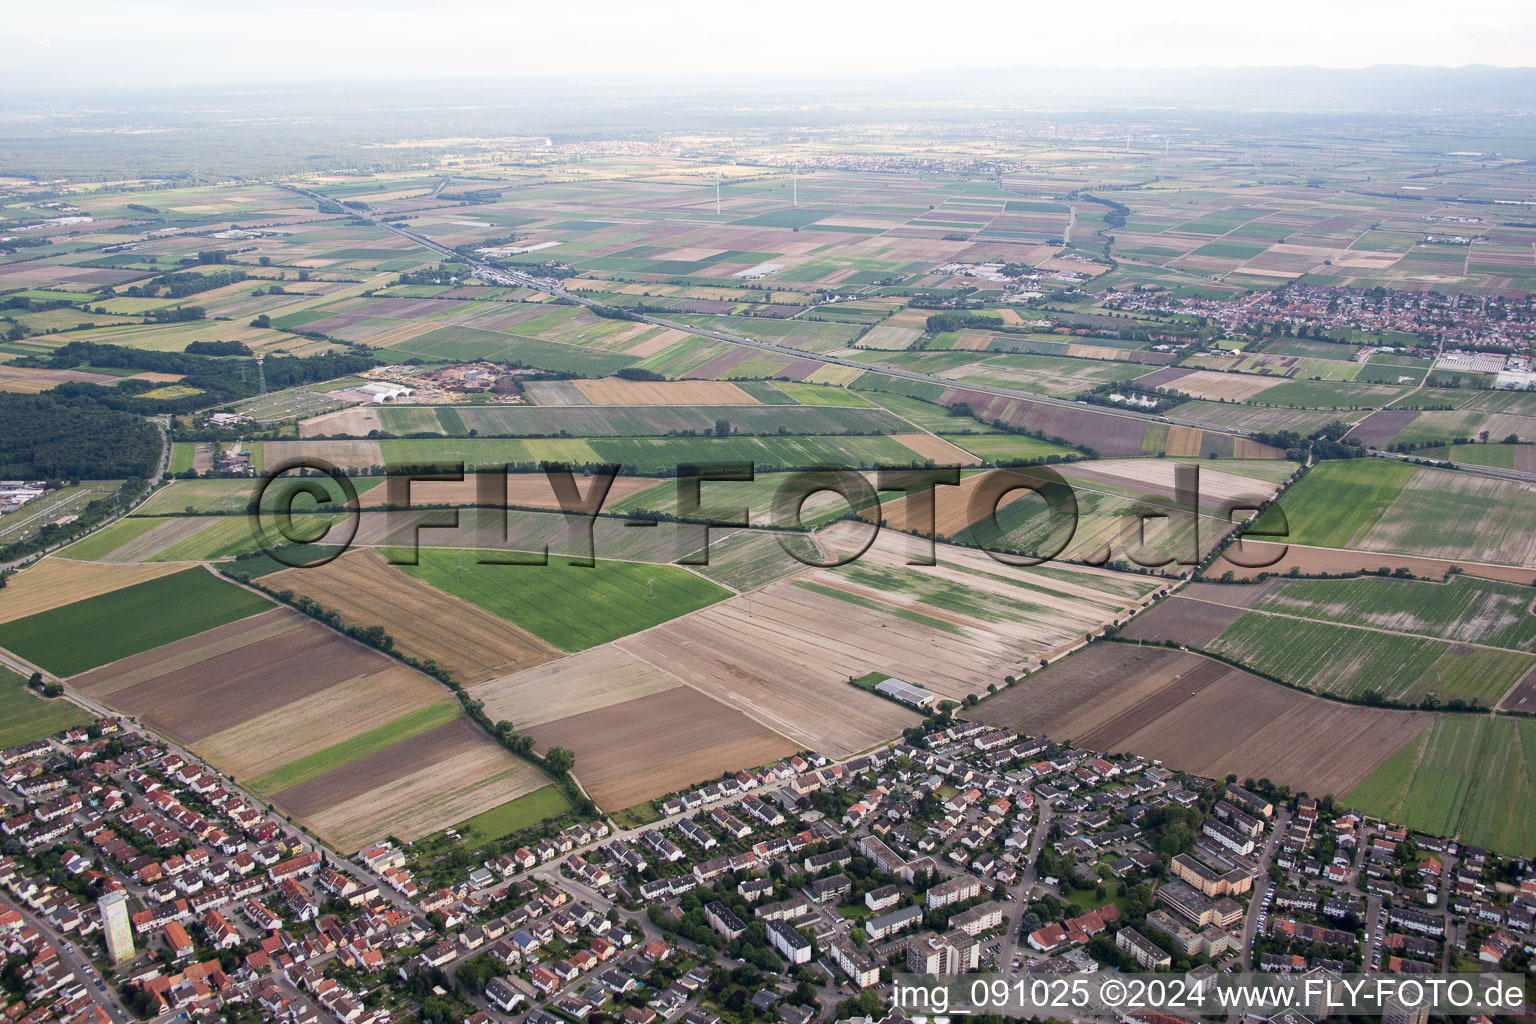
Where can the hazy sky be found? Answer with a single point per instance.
(125, 43)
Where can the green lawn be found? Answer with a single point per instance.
(349, 750)
(88, 633)
(1337, 503)
(570, 606)
(516, 815)
(24, 716)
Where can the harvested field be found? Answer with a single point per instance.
(55, 582)
(354, 422)
(1183, 441)
(1166, 377)
(470, 642)
(1112, 498)
(1523, 697)
(197, 687)
(1198, 715)
(571, 686)
(929, 446)
(647, 746)
(1216, 386)
(293, 731)
(1382, 426)
(412, 788)
(617, 391)
(354, 454)
(1183, 620)
(783, 653)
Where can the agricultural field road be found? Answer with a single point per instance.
(514, 279)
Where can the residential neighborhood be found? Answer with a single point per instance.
(137, 883)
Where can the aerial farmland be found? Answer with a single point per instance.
(481, 570)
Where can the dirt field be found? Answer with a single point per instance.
(617, 391)
(928, 446)
(783, 654)
(289, 733)
(1186, 622)
(1214, 386)
(354, 422)
(1523, 696)
(1333, 560)
(647, 746)
(524, 490)
(411, 789)
(583, 682)
(1201, 716)
(238, 672)
(1183, 440)
(470, 642)
(55, 582)
(357, 454)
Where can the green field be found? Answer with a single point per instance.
(1337, 503)
(928, 415)
(1003, 447)
(571, 607)
(349, 750)
(1351, 662)
(1463, 608)
(105, 541)
(24, 716)
(1498, 456)
(1473, 777)
(80, 636)
(516, 815)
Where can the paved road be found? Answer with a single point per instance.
(1019, 893)
(70, 957)
(1262, 885)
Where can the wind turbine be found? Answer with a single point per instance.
(649, 590)
(795, 178)
(717, 194)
